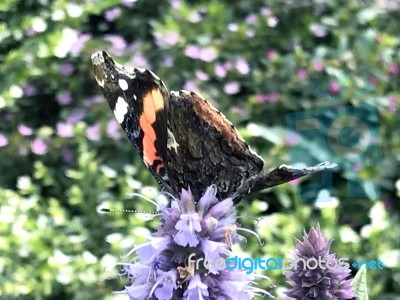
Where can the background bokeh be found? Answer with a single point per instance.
(63, 156)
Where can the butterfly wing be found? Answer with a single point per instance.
(139, 100)
(204, 148)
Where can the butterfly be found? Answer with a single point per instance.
(184, 141)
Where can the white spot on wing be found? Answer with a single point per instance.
(172, 142)
(120, 110)
(123, 84)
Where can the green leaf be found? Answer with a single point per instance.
(360, 284)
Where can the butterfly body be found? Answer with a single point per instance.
(184, 141)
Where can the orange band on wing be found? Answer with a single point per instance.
(153, 101)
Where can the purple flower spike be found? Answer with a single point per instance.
(172, 263)
(330, 281)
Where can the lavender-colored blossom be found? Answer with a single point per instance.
(393, 103)
(3, 140)
(318, 283)
(64, 98)
(266, 11)
(242, 66)
(273, 97)
(318, 66)
(292, 138)
(39, 147)
(205, 227)
(128, 3)
(80, 42)
(67, 155)
(251, 19)
(334, 87)
(118, 43)
(66, 69)
(250, 33)
(165, 39)
(318, 30)
(88, 102)
(29, 90)
(194, 17)
(238, 110)
(302, 74)
(261, 98)
(113, 129)
(75, 116)
(192, 51)
(220, 70)
(93, 132)
(394, 68)
(64, 130)
(112, 13)
(25, 130)
(271, 53)
(191, 85)
(168, 61)
(201, 75)
(30, 32)
(208, 54)
(232, 87)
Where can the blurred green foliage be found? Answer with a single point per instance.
(63, 156)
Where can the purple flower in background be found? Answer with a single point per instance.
(64, 98)
(127, 3)
(393, 103)
(113, 129)
(242, 66)
(261, 98)
(112, 13)
(78, 45)
(64, 130)
(265, 11)
(66, 69)
(88, 102)
(273, 97)
(168, 61)
(318, 30)
(208, 54)
(373, 80)
(164, 39)
(220, 70)
(25, 130)
(238, 110)
(39, 147)
(271, 53)
(118, 43)
(302, 74)
(251, 19)
(319, 283)
(194, 17)
(192, 51)
(29, 90)
(191, 85)
(30, 32)
(93, 132)
(232, 87)
(200, 75)
(291, 139)
(75, 116)
(394, 68)
(334, 87)
(67, 155)
(3, 140)
(250, 33)
(195, 228)
(318, 66)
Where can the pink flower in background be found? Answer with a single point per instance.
(66, 69)
(200, 75)
(78, 45)
(294, 182)
(113, 129)
(118, 43)
(93, 132)
(3, 140)
(191, 85)
(166, 38)
(357, 168)
(220, 70)
(30, 32)
(168, 61)
(271, 53)
(393, 103)
(394, 68)
(251, 19)
(192, 51)
(64, 98)
(373, 80)
(273, 97)
(302, 74)
(176, 3)
(111, 14)
(232, 88)
(127, 3)
(38, 146)
(24, 130)
(238, 110)
(88, 102)
(29, 90)
(261, 98)
(208, 54)
(64, 130)
(266, 11)
(318, 30)
(318, 66)
(242, 66)
(194, 17)
(250, 33)
(334, 87)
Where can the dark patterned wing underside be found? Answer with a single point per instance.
(204, 148)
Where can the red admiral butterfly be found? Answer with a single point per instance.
(183, 140)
